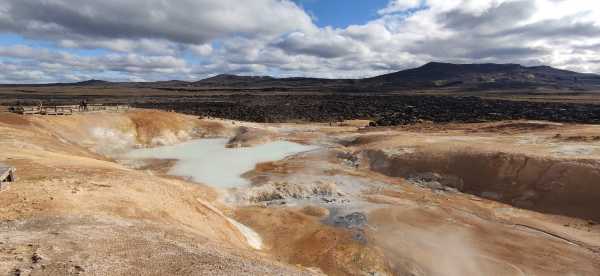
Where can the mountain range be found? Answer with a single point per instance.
(433, 75)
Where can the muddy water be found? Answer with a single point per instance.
(208, 161)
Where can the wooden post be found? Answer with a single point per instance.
(7, 174)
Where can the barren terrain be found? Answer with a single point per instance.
(435, 92)
(494, 198)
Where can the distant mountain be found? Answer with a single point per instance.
(485, 76)
(169, 83)
(81, 83)
(267, 82)
(233, 80)
(433, 75)
(91, 83)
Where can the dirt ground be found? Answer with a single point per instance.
(505, 198)
(74, 211)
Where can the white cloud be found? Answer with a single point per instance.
(59, 65)
(400, 6)
(146, 46)
(182, 21)
(520, 31)
(151, 39)
(201, 50)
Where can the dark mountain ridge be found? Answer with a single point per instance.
(433, 75)
(91, 82)
(483, 76)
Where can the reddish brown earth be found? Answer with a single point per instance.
(505, 198)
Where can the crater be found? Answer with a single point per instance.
(211, 162)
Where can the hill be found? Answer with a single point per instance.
(485, 76)
(433, 75)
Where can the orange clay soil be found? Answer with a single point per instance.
(507, 198)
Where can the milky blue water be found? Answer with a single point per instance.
(208, 161)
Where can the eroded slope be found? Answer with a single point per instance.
(74, 210)
(509, 198)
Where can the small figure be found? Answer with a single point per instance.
(83, 106)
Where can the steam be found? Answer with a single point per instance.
(114, 142)
(167, 137)
(437, 250)
(108, 141)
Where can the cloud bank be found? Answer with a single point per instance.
(68, 40)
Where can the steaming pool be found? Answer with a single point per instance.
(208, 161)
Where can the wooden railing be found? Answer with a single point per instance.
(66, 109)
(25, 109)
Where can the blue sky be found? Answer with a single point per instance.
(75, 40)
(342, 13)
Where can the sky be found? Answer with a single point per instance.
(44, 41)
(341, 13)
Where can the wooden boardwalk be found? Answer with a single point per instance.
(65, 109)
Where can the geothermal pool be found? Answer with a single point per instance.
(208, 161)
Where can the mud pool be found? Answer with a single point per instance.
(209, 161)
